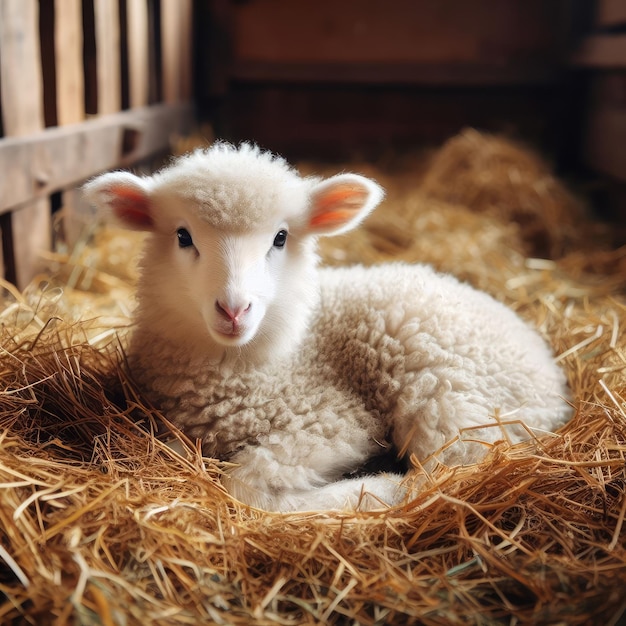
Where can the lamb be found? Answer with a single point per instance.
(297, 375)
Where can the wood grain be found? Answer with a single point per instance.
(68, 37)
(404, 31)
(610, 12)
(176, 46)
(22, 109)
(602, 51)
(60, 157)
(70, 92)
(138, 58)
(108, 66)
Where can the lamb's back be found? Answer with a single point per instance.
(385, 349)
(429, 352)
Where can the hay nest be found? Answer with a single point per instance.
(103, 524)
(493, 175)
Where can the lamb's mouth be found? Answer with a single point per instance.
(236, 335)
(233, 334)
(228, 328)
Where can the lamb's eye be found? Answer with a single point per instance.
(184, 238)
(281, 239)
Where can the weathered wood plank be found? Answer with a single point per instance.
(70, 90)
(68, 38)
(57, 158)
(171, 40)
(176, 45)
(108, 68)
(610, 12)
(138, 59)
(602, 51)
(22, 107)
(495, 32)
(186, 60)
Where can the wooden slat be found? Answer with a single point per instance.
(68, 37)
(186, 67)
(610, 12)
(602, 51)
(70, 90)
(108, 66)
(171, 41)
(394, 73)
(176, 42)
(138, 60)
(402, 31)
(59, 157)
(22, 108)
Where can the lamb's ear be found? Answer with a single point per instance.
(122, 196)
(340, 203)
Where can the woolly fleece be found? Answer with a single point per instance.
(346, 362)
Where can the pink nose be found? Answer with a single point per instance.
(231, 313)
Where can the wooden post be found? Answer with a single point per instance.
(22, 110)
(138, 60)
(108, 68)
(70, 90)
(176, 42)
(170, 46)
(186, 61)
(68, 50)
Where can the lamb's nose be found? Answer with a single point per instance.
(233, 313)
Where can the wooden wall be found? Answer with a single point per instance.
(85, 86)
(602, 54)
(90, 85)
(390, 40)
(600, 58)
(333, 78)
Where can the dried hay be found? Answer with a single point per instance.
(493, 175)
(101, 523)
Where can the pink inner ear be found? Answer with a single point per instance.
(131, 207)
(332, 218)
(338, 206)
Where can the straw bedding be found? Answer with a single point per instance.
(101, 523)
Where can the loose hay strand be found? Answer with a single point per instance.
(15, 568)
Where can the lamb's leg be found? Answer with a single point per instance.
(262, 480)
(367, 493)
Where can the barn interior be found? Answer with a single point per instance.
(497, 129)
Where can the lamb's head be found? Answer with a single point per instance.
(230, 259)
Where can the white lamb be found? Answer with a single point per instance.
(299, 375)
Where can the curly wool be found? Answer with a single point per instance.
(212, 181)
(373, 360)
(298, 375)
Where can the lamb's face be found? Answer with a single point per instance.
(250, 269)
(238, 254)
(228, 282)
(231, 257)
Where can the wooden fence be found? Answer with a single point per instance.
(85, 86)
